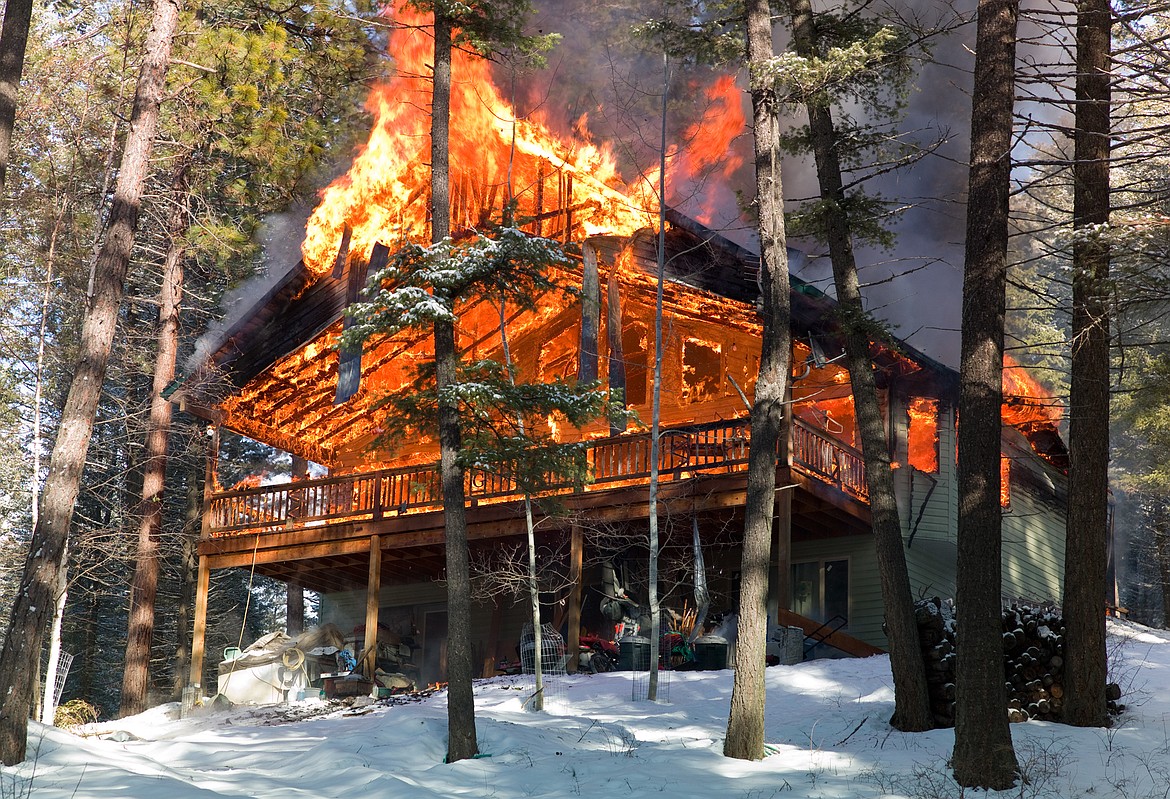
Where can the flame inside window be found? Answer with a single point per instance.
(1005, 482)
(922, 436)
(701, 369)
(635, 350)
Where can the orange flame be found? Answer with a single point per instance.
(563, 189)
(708, 151)
(1005, 482)
(922, 436)
(1026, 403)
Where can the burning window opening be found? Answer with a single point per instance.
(635, 348)
(701, 370)
(1005, 482)
(922, 434)
(822, 395)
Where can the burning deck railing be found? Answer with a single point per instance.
(685, 452)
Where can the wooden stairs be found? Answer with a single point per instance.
(821, 633)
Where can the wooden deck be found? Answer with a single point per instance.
(318, 533)
(617, 462)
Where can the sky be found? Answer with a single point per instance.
(826, 735)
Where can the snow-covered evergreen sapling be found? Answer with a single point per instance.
(503, 419)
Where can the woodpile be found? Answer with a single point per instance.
(1033, 660)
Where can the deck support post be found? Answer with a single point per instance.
(373, 590)
(199, 636)
(782, 519)
(576, 559)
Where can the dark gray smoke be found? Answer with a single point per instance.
(598, 70)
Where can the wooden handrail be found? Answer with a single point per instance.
(684, 452)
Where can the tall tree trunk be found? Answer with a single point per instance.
(143, 589)
(745, 724)
(656, 403)
(294, 608)
(911, 700)
(54, 661)
(1085, 558)
(22, 645)
(13, 40)
(1160, 521)
(461, 743)
(983, 755)
(188, 568)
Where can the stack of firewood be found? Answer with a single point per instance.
(936, 635)
(1033, 660)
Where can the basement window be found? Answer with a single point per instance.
(701, 362)
(922, 434)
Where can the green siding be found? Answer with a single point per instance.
(1033, 532)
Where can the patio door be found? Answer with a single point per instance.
(820, 589)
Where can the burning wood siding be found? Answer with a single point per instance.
(928, 504)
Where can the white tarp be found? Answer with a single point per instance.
(275, 667)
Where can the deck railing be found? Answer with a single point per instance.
(719, 447)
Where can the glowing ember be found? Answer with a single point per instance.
(922, 436)
(563, 189)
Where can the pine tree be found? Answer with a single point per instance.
(745, 725)
(485, 26)
(1088, 474)
(983, 755)
(22, 645)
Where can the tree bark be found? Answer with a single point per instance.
(911, 700)
(461, 738)
(1086, 546)
(1160, 522)
(188, 569)
(294, 609)
(745, 724)
(22, 645)
(13, 41)
(983, 755)
(144, 588)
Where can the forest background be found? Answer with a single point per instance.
(264, 106)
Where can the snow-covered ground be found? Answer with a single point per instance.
(826, 731)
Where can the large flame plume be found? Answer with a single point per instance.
(565, 189)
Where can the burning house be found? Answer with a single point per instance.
(369, 535)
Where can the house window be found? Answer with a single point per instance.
(820, 589)
(636, 353)
(701, 370)
(922, 434)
